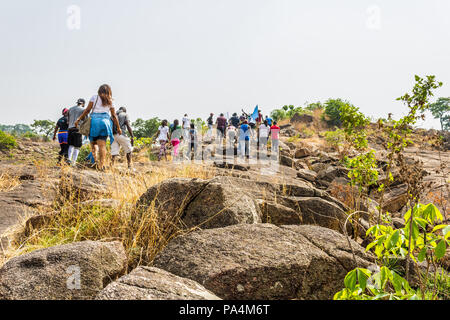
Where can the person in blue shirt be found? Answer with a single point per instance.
(245, 132)
(269, 120)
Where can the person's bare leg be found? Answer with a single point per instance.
(129, 160)
(94, 151)
(102, 153)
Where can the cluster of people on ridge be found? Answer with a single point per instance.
(105, 122)
(240, 130)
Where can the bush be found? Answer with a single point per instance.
(84, 152)
(7, 141)
(333, 111)
(335, 138)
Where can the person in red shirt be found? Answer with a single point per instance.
(275, 135)
(259, 119)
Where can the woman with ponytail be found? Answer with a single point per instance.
(103, 110)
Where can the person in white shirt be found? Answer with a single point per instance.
(103, 111)
(231, 131)
(163, 138)
(186, 127)
(264, 131)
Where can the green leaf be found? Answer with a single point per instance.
(393, 239)
(440, 249)
(397, 282)
(421, 222)
(385, 275)
(441, 226)
(371, 245)
(407, 215)
(422, 254)
(363, 275)
(350, 280)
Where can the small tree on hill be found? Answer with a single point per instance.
(43, 127)
(146, 128)
(441, 110)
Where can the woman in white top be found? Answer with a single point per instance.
(264, 131)
(102, 108)
(163, 137)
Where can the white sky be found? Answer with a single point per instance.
(169, 57)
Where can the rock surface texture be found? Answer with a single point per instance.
(74, 271)
(147, 283)
(263, 261)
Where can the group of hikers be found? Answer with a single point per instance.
(100, 121)
(237, 130)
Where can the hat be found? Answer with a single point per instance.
(65, 110)
(80, 101)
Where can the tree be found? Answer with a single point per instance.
(17, 129)
(43, 127)
(146, 128)
(441, 110)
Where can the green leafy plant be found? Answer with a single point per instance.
(335, 139)
(333, 109)
(429, 241)
(7, 141)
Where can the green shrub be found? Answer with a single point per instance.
(84, 152)
(335, 138)
(7, 141)
(333, 111)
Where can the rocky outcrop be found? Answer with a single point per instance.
(225, 201)
(263, 261)
(148, 283)
(307, 174)
(301, 153)
(302, 118)
(395, 199)
(78, 270)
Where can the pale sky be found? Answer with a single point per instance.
(166, 58)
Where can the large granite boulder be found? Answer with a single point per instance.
(73, 271)
(147, 283)
(263, 261)
(225, 200)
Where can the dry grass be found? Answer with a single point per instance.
(8, 182)
(141, 231)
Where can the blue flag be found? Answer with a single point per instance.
(255, 113)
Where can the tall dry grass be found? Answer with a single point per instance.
(8, 182)
(74, 216)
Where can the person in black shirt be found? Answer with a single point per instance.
(235, 121)
(61, 128)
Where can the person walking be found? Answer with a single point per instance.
(103, 110)
(275, 135)
(192, 142)
(163, 138)
(245, 132)
(221, 127)
(210, 122)
(176, 136)
(231, 132)
(75, 139)
(264, 132)
(186, 126)
(234, 120)
(259, 119)
(121, 140)
(62, 126)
